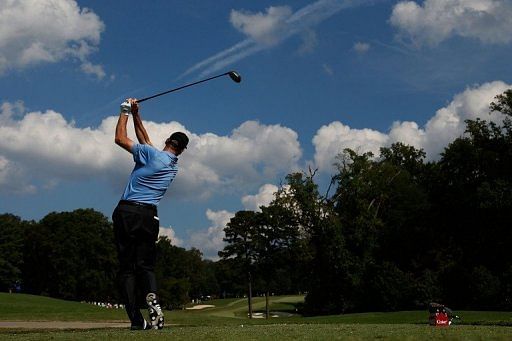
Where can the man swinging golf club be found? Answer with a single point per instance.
(136, 222)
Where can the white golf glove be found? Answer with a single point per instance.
(126, 107)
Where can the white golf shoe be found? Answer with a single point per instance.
(155, 311)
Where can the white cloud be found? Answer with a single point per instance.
(361, 48)
(408, 133)
(327, 69)
(210, 241)
(92, 69)
(446, 125)
(252, 153)
(13, 178)
(332, 139)
(264, 196)
(448, 122)
(170, 234)
(46, 31)
(63, 150)
(11, 111)
(309, 42)
(266, 30)
(438, 20)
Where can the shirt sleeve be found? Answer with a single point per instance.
(141, 153)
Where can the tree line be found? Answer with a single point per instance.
(72, 255)
(392, 232)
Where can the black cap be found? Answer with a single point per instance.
(178, 140)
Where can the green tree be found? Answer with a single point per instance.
(71, 255)
(503, 103)
(472, 201)
(276, 244)
(230, 275)
(383, 207)
(240, 235)
(12, 229)
(316, 243)
(206, 283)
(182, 274)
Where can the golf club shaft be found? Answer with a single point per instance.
(181, 87)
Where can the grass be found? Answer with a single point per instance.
(279, 332)
(22, 307)
(228, 321)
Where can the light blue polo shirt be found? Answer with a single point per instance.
(153, 173)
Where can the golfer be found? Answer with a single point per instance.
(136, 222)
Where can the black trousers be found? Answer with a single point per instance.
(136, 232)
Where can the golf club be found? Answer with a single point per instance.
(235, 76)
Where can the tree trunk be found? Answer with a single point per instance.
(249, 298)
(267, 308)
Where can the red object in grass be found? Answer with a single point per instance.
(439, 319)
(442, 319)
(440, 315)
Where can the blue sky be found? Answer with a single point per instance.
(318, 76)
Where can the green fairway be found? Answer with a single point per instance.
(228, 320)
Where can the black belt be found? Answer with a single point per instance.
(135, 203)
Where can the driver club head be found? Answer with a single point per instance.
(235, 76)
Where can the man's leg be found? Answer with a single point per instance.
(125, 222)
(145, 265)
(127, 284)
(146, 260)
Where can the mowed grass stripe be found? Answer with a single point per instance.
(238, 308)
(227, 312)
(23, 307)
(281, 332)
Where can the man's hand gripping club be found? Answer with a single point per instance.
(121, 138)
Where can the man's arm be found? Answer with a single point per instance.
(121, 138)
(140, 131)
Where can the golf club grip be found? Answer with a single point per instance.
(179, 88)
